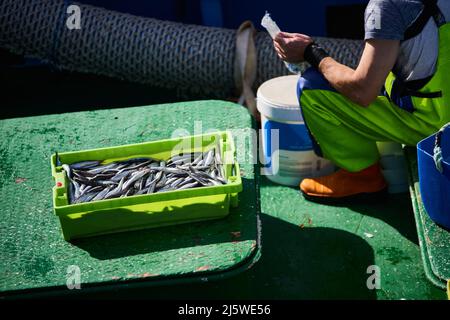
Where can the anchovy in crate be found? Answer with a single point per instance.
(92, 180)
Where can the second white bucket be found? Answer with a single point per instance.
(286, 145)
(393, 166)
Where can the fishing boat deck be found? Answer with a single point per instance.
(35, 258)
(309, 250)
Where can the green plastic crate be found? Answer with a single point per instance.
(150, 210)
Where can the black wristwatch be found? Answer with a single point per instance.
(314, 54)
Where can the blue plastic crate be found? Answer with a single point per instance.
(433, 156)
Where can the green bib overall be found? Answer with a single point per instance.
(346, 133)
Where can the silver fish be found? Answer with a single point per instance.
(186, 180)
(67, 170)
(162, 182)
(101, 195)
(198, 159)
(149, 179)
(209, 157)
(142, 191)
(177, 182)
(83, 174)
(188, 185)
(77, 189)
(151, 187)
(86, 197)
(102, 176)
(170, 180)
(134, 177)
(116, 191)
(120, 175)
(91, 181)
(85, 164)
(100, 169)
(96, 189)
(135, 167)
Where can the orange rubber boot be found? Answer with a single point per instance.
(344, 184)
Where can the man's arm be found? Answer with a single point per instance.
(364, 84)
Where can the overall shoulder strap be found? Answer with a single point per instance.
(396, 89)
(430, 9)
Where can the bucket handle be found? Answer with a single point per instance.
(437, 151)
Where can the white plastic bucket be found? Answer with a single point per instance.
(291, 158)
(393, 166)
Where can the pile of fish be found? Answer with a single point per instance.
(92, 180)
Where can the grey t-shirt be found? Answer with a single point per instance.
(389, 19)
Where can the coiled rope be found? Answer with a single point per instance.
(195, 60)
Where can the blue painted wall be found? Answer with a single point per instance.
(187, 11)
(303, 16)
(306, 16)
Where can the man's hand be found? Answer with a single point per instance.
(291, 46)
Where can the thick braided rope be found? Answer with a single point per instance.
(437, 151)
(196, 60)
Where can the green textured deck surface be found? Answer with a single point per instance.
(309, 251)
(434, 240)
(313, 251)
(33, 252)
